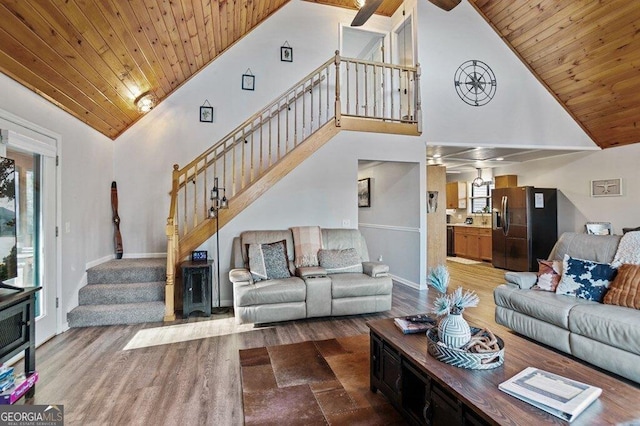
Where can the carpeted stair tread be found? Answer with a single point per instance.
(128, 271)
(125, 313)
(103, 294)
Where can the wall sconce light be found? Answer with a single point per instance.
(145, 102)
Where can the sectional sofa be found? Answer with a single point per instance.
(357, 287)
(605, 335)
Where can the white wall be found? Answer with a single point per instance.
(323, 191)
(572, 175)
(391, 225)
(86, 172)
(521, 114)
(172, 133)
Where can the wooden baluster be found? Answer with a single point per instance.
(418, 98)
(366, 90)
(338, 111)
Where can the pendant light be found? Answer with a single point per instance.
(478, 181)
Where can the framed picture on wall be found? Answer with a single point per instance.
(364, 192)
(606, 187)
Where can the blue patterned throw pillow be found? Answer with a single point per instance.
(585, 279)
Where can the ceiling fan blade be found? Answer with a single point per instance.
(445, 4)
(365, 12)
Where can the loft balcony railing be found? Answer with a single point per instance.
(340, 87)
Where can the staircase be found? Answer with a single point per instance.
(341, 94)
(123, 291)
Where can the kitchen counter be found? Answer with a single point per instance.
(474, 225)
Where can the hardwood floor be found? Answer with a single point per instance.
(197, 381)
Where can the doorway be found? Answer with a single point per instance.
(36, 185)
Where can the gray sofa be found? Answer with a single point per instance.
(604, 335)
(312, 291)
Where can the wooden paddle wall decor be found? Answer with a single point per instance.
(117, 237)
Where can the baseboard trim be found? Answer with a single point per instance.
(405, 282)
(143, 255)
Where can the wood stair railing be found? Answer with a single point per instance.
(378, 97)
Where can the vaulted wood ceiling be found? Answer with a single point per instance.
(587, 53)
(94, 57)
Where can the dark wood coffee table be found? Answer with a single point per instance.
(428, 391)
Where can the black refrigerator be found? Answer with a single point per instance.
(525, 226)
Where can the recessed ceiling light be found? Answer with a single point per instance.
(437, 156)
(499, 159)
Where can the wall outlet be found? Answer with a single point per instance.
(346, 223)
(459, 216)
(380, 258)
(67, 227)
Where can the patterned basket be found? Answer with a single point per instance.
(464, 359)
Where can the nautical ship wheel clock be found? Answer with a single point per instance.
(475, 83)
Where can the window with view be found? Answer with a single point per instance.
(481, 198)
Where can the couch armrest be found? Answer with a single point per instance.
(375, 269)
(524, 280)
(311, 272)
(240, 275)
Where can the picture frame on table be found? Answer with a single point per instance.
(599, 228)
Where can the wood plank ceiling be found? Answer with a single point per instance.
(587, 53)
(93, 58)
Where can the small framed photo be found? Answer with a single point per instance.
(599, 228)
(286, 54)
(199, 256)
(206, 114)
(606, 187)
(248, 82)
(364, 192)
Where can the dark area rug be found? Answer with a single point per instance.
(312, 383)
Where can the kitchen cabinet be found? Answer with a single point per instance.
(457, 195)
(506, 181)
(473, 242)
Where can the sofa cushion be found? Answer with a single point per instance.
(268, 261)
(524, 280)
(341, 238)
(340, 261)
(585, 279)
(625, 288)
(267, 292)
(264, 237)
(599, 248)
(354, 285)
(548, 307)
(628, 249)
(549, 274)
(613, 325)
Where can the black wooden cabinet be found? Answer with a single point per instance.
(18, 327)
(418, 397)
(196, 294)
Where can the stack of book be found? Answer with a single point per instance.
(415, 323)
(560, 396)
(13, 387)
